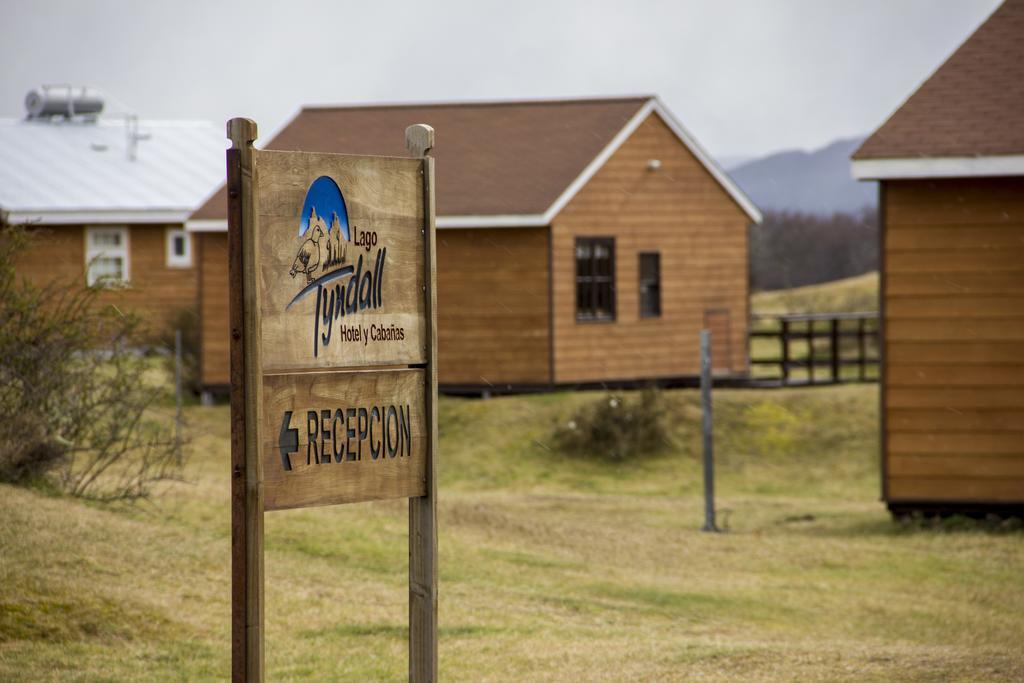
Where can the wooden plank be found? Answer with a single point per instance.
(964, 260)
(927, 218)
(949, 329)
(944, 284)
(343, 437)
(348, 293)
(479, 332)
(423, 510)
(953, 353)
(955, 306)
(963, 375)
(942, 420)
(973, 466)
(957, 191)
(959, 237)
(236, 368)
(955, 398)
(247, 604)
(967, 445)
(956, 489)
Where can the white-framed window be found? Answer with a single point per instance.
(106, 255)
(179, 248)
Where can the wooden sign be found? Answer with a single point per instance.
(340, 265)
(363, 438)
(333, 358)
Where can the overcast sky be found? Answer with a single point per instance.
(746, 77)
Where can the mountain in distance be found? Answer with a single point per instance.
(817, 182)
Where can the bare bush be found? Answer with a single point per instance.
(74, 406)
(617, 427)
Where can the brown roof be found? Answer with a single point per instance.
(492, 158)
(972, 106)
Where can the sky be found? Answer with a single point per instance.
(746, 77)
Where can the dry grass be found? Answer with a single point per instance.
(854, 294)
(552, 568)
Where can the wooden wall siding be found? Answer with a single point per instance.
(719, 323)
(954, 303)
(679, 210)
(212, 255)
(492, 306)
(156, 292)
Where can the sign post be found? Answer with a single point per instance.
(707, 423)
(333, 358)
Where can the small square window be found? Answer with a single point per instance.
(179, 248)
(650, 285)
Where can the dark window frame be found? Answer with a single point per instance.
(593, 283)
(178, 246)
(645, 285)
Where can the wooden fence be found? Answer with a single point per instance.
(819, 348)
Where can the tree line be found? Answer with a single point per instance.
(792, 248)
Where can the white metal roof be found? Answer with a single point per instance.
(60, 172)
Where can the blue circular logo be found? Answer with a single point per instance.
(324, 207)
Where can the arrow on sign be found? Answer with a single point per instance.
(287, 440)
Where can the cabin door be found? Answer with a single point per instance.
(717, 320)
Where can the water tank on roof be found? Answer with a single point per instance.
(64, 101)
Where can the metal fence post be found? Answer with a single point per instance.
(705, 399)
(177, 394)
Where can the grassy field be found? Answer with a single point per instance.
(553, 568)
(851, 295)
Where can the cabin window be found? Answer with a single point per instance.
(179, 248)
(650, 284)
(106, 256)
(595, 278)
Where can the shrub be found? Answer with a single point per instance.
(74, 407)
(617, 427)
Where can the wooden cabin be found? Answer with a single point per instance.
(580, 242)
(950, 166)
(106, 199)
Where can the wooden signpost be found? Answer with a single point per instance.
(333, 358)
